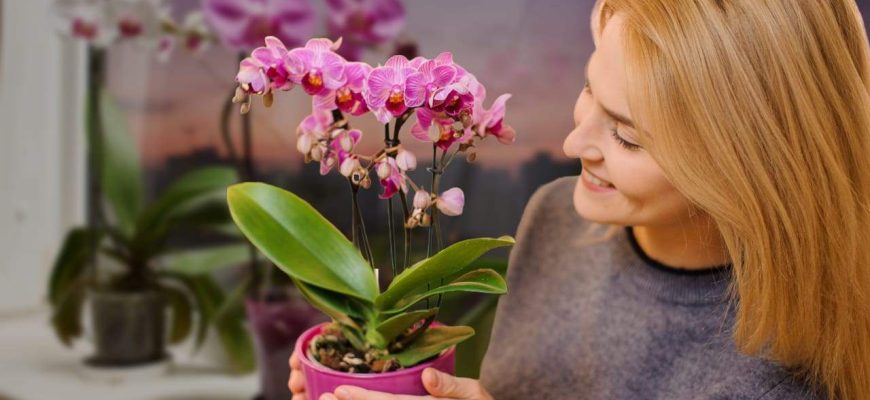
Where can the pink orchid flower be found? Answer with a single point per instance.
(339, 150)
(457, 99)
(311, 134)
(393, 88)
(451, 202)
(273, 58)
(242, 24)
(437, 73)
(364, 23)
(349, 98)
(438, 128)
(252, 77)
(391, 177)
(316, 66)
(491, 122)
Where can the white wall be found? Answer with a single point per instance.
(41, 149)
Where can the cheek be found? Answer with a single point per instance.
(649, 197)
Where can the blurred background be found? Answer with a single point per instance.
(117, 129)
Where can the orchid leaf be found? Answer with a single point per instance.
(431, 342)
(479, 281)
(456, 259)
(300, 241)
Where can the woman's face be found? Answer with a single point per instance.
(605, 141)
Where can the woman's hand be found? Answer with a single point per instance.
(297, 381)
(438, 384)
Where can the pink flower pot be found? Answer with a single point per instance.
(320, 379)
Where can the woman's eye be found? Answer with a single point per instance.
(622, 142)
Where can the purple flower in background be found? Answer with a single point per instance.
(394, 88)
(101, 23)
(365, 23)
(316, 66)
(243, 24)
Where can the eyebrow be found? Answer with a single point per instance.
(619, 117)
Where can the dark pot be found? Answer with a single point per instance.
(276, 323)
(128, 328)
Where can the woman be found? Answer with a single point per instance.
(727, 142)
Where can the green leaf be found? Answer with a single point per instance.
(479, 281)
(205, 261)
(432, 342)
(195, 198)
(232, 334)
(182, 313)
(121, 167)
(237, 343)
(190, 186)
(66, 315)
(456, 259)
(300, 241)
(335, 305)
(71, 262)
(393, 327)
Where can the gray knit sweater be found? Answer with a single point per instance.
(605, 321)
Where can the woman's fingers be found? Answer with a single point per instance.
(346, 392)
(297, 380)
(295, 363)
(439, 384)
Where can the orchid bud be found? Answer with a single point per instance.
(267, 99)
(348, 166)
(406, 160)
(383, 169)
(346, 142)
(434, 133)
(422, 199)
(471, 157)
(316, 153)
(303, 144)
(451, 202)
(366, 182)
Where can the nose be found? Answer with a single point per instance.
(585, 140)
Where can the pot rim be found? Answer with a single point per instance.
(302, 349)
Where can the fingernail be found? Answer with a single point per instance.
(433, 377)
(342, 393)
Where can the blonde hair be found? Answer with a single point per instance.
(758, 111)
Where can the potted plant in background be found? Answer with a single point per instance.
(120, 260)
(376, 339)
(137, 276)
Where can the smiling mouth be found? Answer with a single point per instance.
(597, 181)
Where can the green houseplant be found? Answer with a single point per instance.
(139, 276)
(373, 332)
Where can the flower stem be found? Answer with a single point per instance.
(391, 235)
(247, 162)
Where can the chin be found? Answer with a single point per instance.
(591, 211)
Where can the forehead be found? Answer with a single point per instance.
(606, 68)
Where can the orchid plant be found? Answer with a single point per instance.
(337, 275)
